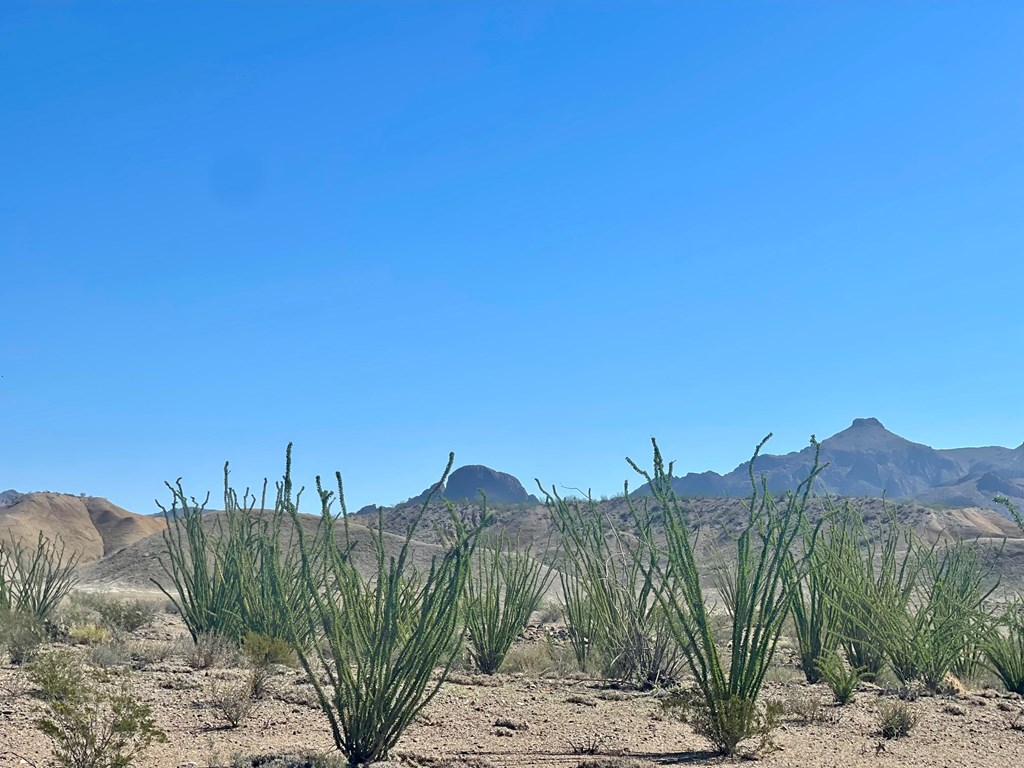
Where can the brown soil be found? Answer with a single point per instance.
(527, 720)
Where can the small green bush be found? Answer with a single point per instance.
(841, 678)
(896, 719)
(262, 651)
(730, 723)
(805, 705)
(110, 655)
(117, 615)
(21, 634)
(87, 633)
(91, 724)
(127, 615)
(287, 761)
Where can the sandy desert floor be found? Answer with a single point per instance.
(525, 720)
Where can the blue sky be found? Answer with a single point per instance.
(534, 234)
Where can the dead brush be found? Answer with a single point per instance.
(233, 702)
(807, 707)
(589, 744)
(209, 651)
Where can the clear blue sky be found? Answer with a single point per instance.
(534, 234)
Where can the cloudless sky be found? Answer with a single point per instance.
(536, 234)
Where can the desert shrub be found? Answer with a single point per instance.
(841, 678)
(126, 615)
(109, 655)
(210, 650)
(286, 761)
(92, 724)
(731, 722)
(896, 719)
(262, 651)
(806, 705)
(757, 596)
(88, 633)
(144, 654)
(544, 658)
(117, 615)
(21, 634)
(35, 580)
(1004, 649)
(382, 637)
(234, 701)
(504, 588)
(551, 612)
(589, 744)
(617, 627)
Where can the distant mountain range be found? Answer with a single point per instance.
(866, 459)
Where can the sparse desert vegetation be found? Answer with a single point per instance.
(293, 640)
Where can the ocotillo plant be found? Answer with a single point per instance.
(616, 625)
(926, 636)
(728, 686)
(226, 574)
(1014, 512)
(867, 571)
(1004, 648)
(33, 580)
(505, 586)
(814, 615)
(381, 637)
(205, 597)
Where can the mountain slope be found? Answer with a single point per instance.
(90, 526)
(866, 459)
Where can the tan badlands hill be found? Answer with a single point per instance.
(135, 566)
(90, 526)
(118, 546)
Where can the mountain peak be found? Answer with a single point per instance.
(866, 423)
(467, 482)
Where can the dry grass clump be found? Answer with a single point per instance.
(121, 616)
(287, 760)
(234, 701)
(896, 719)
(209, 651)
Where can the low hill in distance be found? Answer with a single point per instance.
(89, 526)
(468, 482)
